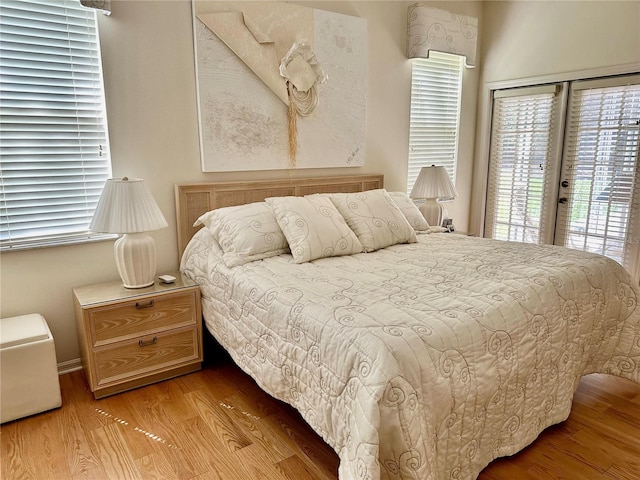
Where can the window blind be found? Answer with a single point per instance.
(53, 135)
(436, 92)
(602, 169)
(519, 166)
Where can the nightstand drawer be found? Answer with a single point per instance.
(146, 355)
(134, 337)
(140, 317)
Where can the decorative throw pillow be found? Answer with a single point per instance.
(313, 227)
(410, 211)
(245, 233)
(375, 219)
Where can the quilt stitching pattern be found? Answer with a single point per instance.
(427, 360)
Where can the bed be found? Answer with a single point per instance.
(423, 359)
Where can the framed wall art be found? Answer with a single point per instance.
(279, 86)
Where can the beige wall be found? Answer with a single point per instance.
(557, 36)
(148, 64)
(549, 41)
(150, 86)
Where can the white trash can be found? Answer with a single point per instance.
(29, 380)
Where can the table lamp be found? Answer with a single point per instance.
(434, 186)
(127, 207)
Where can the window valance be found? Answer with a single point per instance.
(434, 29)
(104, 5)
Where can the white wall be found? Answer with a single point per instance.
(550, 37)
(148, 65)
(549, 41)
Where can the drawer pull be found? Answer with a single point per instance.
(140, 306)
(153, 341)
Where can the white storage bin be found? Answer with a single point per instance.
(28, 368)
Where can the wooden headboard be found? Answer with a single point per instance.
(194, 199)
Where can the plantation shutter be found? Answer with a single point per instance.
(436, 88)
(53, 135)
(519, 163)
(602, 170)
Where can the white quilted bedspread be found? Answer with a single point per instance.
(428, 360)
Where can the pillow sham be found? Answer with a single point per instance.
(410, 211)
(245, 233)
(313, 227)
(374, 218)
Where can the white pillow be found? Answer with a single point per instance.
(313, 227)
(410, 211)
(375, 219)
(245, 233)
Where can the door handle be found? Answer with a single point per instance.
(564, 184)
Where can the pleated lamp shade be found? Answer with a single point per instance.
(127, 207)
(433, 184)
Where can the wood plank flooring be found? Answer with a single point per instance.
(217, 424)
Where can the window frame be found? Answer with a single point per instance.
(602, 77)
(82, 150)
(423, 151)
(603, 96)
(483, 137)
(549, 97)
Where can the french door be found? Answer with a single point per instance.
(564, 167)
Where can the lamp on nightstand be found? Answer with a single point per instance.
(127, 207)
(434, 186)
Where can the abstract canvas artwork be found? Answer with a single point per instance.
(243, 96)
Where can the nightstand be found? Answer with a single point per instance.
(134, 337)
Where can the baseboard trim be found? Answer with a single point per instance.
(69, 366)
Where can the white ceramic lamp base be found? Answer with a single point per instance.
(136, 260)
(432, 211)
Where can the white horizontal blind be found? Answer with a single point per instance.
(519, 168)
(602, 169)
(53, 134)
(436, 92)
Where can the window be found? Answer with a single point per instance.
(520, 163)
(602, 170)
(573, 182)
(436, 88)
(53, 143)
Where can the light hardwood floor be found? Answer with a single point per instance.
(217, 424)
